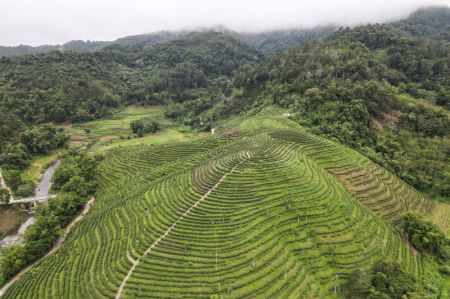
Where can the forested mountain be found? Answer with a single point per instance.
(26, 50)
(267, 42)
(75, 87)
(81, 86)
(432, 22)
(340, 87)
(429, 22)
(374, 88)
(321, 140)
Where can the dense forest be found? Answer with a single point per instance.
(383, 90)
(374, 88)
(266, 42)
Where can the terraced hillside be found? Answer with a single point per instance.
(261, 209)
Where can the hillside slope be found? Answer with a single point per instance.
(261, 208)
(60, 87)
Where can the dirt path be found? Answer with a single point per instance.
(167, 232)
(54, 248)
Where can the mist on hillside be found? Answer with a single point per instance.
(55, 22)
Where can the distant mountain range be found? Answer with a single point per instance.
(430, 22)
(269, 41)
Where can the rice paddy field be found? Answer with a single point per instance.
(260, 209)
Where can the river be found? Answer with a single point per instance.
(42, 189)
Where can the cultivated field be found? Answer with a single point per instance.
(261, 209)
(114, 131)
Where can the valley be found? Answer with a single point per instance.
(265, 187)
(213, 163)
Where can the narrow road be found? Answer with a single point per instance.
(135, 263)
(54, 248)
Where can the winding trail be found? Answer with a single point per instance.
(167, 232)
(57, 245)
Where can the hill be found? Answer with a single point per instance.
(309, 186)
(61, 87)
(267, 42)
(260, 208)
(431, 22)
(374, 88)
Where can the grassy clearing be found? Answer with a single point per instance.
(409, 100)
(113, 131)
(164, 136)
(39, 164)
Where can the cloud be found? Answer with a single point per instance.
(58, 21)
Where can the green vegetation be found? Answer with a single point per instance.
(258, 208)
(144, 125)
(305, 184)
(75, 181)
(23, 146)
(4, 196)
(336, 87)
(60, 87)
(431, 22)
(19, 185)
(360, 87)
(114, 131)
(426, 236)
(383, 280)
(42, 139)
(39, 163)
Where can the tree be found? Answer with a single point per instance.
(43, 138)
(10, 127)
(4, 196)
(137, 126)
(151, 126)
(77, 185)
(15, 156)
(390, 281)
(426, 236)
(384, 280)
(144, 125)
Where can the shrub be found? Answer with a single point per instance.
(4, 196)
(383, 281)
(425, 236)
(144, 125)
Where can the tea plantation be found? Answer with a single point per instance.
(260, 209)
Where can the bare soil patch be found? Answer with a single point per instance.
(9, 220)
(108, 138)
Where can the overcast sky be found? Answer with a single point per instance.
(37, 22)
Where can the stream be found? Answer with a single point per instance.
(45, 184)
(42, 189)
